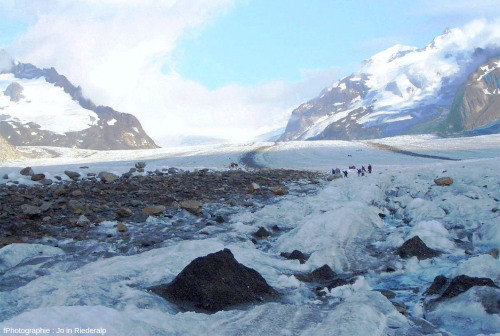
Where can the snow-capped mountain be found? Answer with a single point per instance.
(41, 107)
(451, 85)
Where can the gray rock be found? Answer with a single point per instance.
(192, 206)
(140, 165)
(30, 210)
(72, 175)
(28, 171)
(37, 177)
(107, 177)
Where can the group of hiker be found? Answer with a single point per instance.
(361, 171)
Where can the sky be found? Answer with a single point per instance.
(229, 69)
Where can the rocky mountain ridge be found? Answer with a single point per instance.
(450, 86)
(40, 107)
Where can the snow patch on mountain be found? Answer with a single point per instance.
(44, 104)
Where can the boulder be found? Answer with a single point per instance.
(261, 233)
(107, 177)
(27, 171)
(75, 206)
(319, 275)
(279, 191)
(415, 247)
(124, 212)
(140, 165)
(387, 293)
(192, 206)
(46, 181)
(443, 181)
(437, 286)
(30, 210)
(77, 193)
(5, 176)
(463, 283)
(215, 282)
(253, 186)
(37, 177)
(493, 252)
(121, 227)
(295, 255)
(72, 175)
(82, 221)
(154, 210)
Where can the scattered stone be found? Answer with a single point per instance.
(107, 177)
(59, 178)
(154, 210)
(75, 206)
(72, 175)
(46, 206)
(493, 252)
(30, 210)
(279, 191)
(323, 274)
(275, 228)
(5, 176)
(46, 219)
(463, 283)
(82, 221)
(400, 307)
(261, 233)
(381, 215)
(121, 228)
(340, 282)
(60, 191)
(46, 182)
(124, 212)
(390, 269)
(295, 255)
(387, 293)
(140, 165)
(253, 186)
(219, 219)
(437, 286)
(215, 282)
(192, 206)
(37, 177)
(443, 181)
(494, 210)
(27, 171)
(415, 247)
(77, 193)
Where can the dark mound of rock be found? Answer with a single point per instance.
(215, 282)
(320, 275)
(463, 283)
(295, 255)
(261, 233)
(437, 286)
(415, 247)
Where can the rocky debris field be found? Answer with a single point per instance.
(68, 208)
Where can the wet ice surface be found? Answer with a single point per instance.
(102, 282)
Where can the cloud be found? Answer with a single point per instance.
(118, 50)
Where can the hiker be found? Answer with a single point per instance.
(359, 171)
(337, 171)
(345, 173)
(333, 171)
(363, 169)
(370, 168)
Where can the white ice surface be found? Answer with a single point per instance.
(339, 226)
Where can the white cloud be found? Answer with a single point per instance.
(117, 51)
